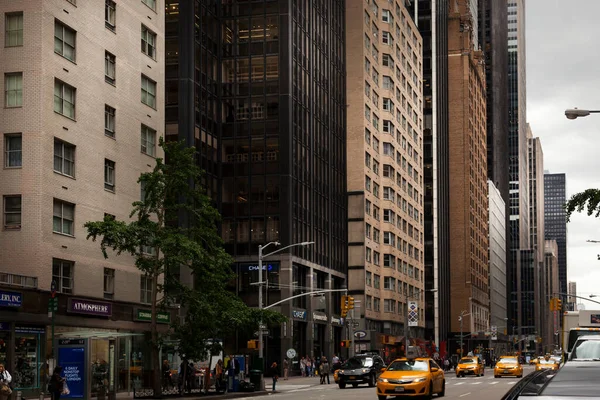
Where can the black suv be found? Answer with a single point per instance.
(362, 368)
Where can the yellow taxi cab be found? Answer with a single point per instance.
(411, 377)
(508, 366)
(335, 376)
(546, 363)
(470, 366)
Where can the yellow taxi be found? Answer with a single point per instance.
(335, 376)
(470, 366)
(508, 366)
(411, 377)
(546, 363)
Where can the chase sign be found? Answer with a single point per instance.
(10, 299)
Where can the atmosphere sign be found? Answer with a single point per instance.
(72, 359)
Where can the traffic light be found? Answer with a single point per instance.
(350, 302)
(552, 304)
(558, 305)
(345, 343)
(253, 344)
(344, 312)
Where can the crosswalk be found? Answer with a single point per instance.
(483, 380)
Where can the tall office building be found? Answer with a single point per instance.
(520, 253)
(536, 234)
(259, 88)
(555, 220)
(83, 110)
(432, 17)
(497, 257)
(385, 195)
(572, 299)
(469, 280)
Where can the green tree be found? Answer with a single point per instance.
(588, 200)
(162, 243)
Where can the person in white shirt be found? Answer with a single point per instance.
(5, 380)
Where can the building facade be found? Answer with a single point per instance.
(83, 111)
(259, 89)
(555, 220)
(432, 18)
(468, 174)
(497, 257)
(536, 231)
(551, 337)
(385, 195)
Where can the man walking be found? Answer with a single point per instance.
(286, 367)
(324, 371)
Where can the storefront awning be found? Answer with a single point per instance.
(96, 334)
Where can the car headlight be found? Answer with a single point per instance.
(340, 372)
(384, 380)
(365, 370)
(420, 380)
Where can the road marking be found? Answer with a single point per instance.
(460, 383)
(465, 394)
(493, 383)
(476, 383)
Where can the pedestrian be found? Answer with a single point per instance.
(324, 371)
(308, 365)
(274, 373)
(5, 383)
(303, 366)
(446, 364)
(57, 383)
(219, 376)
(166, 373)
(286, 367)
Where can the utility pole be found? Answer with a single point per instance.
(463, 314)
(260, 305)
(52, 309)
(353, 350)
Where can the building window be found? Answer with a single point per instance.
(386, 38)
(377, 281)
(386, 16)
(150, 3)
(64, 99)
(388, 61)
(12, 212)
(13, 89)
(109, 121)
(148, 91)
(109, 283)
(64, 40)
(148, 141)
(110, 15)
(109, 175)
(13, 150)
(145, 290)
(110, 68)
(13, 34)
(369, 279)
(63, 217)
(148, 42)
(64, 158)
(62, 274)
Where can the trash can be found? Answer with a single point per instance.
(256, 378)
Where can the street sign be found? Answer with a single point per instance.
(494, 336)
(262, 326)
(265, 332)
(494, 328)
(291, 353)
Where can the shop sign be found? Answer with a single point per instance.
(299, 314)
(99, 308)
(72, 359)
(319, 316)
(249, 267)
(142, 315)
(336, 320)
(70, 342)
(10, 299)
(30, 329)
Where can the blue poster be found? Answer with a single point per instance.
(72, 360)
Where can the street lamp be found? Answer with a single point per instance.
(574, 113)
(406, 328)
(260, 286)
(463, 313)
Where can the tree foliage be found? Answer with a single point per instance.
(170, 232)
(588, 200)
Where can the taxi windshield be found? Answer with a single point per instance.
(508, 360)
(467, 361)
(544, 361)
(409, 365)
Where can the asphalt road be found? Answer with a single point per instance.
(469, 388)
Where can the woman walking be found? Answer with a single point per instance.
(5, 380)
(57, 384)
(274, 373)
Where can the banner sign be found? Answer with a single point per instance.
(10, 299)
(413, 313)
(72, 359)
(319, 317)
(299, 314)
(146, 316)
(89, 307)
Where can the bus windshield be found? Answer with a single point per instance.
(574, 334)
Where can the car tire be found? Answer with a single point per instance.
(496, 376)
(342, 385)
(372, 381)
(443, 392)
(458, 375)
(381, 397)
(520, 376)
(430, 392)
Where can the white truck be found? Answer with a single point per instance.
(579, 323)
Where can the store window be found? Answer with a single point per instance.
(28, 341)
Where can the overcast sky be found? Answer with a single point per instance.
(563, 71)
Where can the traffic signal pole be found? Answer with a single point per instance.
(352, 348)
